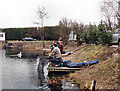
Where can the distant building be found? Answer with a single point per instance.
(2, 36)
(72, 36)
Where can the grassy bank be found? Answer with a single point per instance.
(105, 72)
(87, 52)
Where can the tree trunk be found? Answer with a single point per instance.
(65, 41)
(93, 85)
(78, 40)
(43, 34)
(118, 23)
(110, 27)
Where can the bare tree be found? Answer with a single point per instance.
(109, 9)
(41, 15)
(66, 26)
(118, 15)
(78, 30)
(64, 30)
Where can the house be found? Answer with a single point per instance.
(72, 36)
(2, 36)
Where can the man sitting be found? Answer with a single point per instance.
(55, 56)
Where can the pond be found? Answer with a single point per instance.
(23, 73)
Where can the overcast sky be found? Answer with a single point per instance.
(22, 13)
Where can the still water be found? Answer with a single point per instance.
(19, 73)
(23, 73)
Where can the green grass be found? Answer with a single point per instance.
(105, 72)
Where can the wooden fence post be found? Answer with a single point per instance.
(93, 85)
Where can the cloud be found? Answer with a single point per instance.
(22, 13)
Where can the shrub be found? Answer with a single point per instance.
(97, 35)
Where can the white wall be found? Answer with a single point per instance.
(72, 36)
(2, 36)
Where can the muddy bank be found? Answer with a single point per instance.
(32, 47)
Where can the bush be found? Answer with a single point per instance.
(97, 35)
(90, 35)
(105, 37)
(51, 33)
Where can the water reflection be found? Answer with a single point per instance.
(18, 73)
(42, 73)
(23, 73)
(41, 70)
(25, 53)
